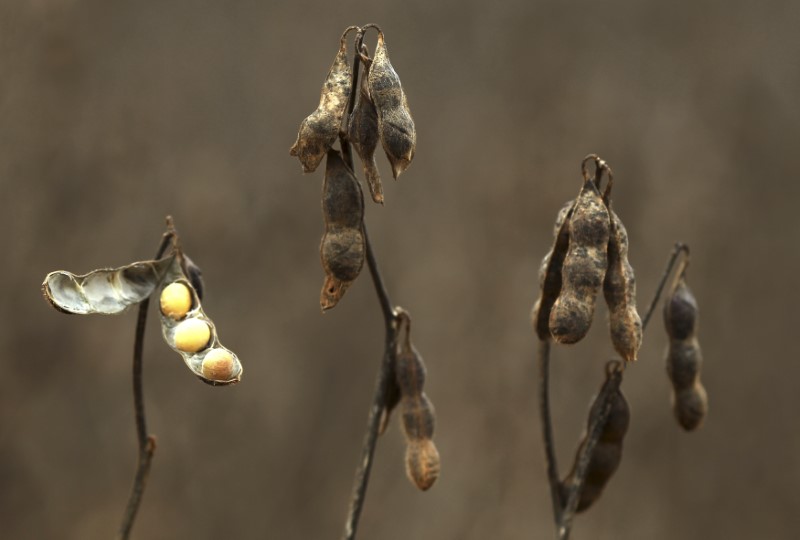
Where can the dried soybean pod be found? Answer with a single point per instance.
(607, 453)
(619, 289)
(684, 357)
(550, 273)
(584, 266)
(422, 458)
(319, 130)
(195, 275)
(395, 126)
(391, 400)
(362, 132)
(107, 290)
(342, 249)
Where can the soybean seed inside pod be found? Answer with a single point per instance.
(363, 134)
(684, 357)
(395, 125)
(619, 288)
(342, 249)
(319, 130)
(218, 365)
(584, 267)
(550, 273)
(192, 335)
(176, 300)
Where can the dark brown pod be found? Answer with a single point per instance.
(680, 312)
(584, 267)
(391, 400)
(418, 417)
(684, 360)
(319, 130)
(619, 289)
(607, 453)
(343, 248)
(362, 132)
(550, 273)
(690, 406)
(395, 126)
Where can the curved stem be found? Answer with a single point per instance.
(676, 251)
(147, 443)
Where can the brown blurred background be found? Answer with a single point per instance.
(114, 114)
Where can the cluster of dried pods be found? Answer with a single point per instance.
(590, 251)
(379, 113)
(185, 326)
(684, 358)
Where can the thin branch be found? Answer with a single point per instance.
(547, 428)
(676, 251)
(147, 443)
(597, 421)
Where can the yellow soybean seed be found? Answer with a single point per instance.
(192, 335)
(218, 365)
(176, 300)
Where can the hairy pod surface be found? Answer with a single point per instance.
(607, 453)
(684, 358)
(422, 463)
(398, 135)
(550, 273)
(362, 132)
(584, 267)
(619, 289)
(319, 130)
(343, 248)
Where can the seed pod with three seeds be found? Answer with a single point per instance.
(584, 266)
(607, 453)
(422, 458)
(362, 132)
(395, 125)
(684, 357)
(619, 288)
(342, 249)
(319, 130)
(550, 273)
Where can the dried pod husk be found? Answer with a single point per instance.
(422, 463)
(607, 453)
(319, 130)
(550, 273)
(619, 288)
(684, 357)
(395, 126)
(195, 276)
(419, 417)
(106, 291)
(343, 247)
(192, 334)
(362, 132)
(584, 267)
(391, 400)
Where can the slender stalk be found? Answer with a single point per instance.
(147, 443)
(676, 251)
(547, 427)
(379, 398)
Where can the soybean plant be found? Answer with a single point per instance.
(379, 113)
(590, 252)
(178, 284)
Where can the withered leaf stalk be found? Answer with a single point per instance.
(186, 328)
(590, 251)
(379, 112)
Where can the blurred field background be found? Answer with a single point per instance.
(114, 114)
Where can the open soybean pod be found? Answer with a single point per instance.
(684, 357)
(189, 332)
(395, 125)
(362, 132)
(607, 453)
(319, 130)
(584, 267)
(619, 289)
(343, 248)
(107, 290)
(550, 273)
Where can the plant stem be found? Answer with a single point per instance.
(379, 398)
(677, 250)
(146, 443)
